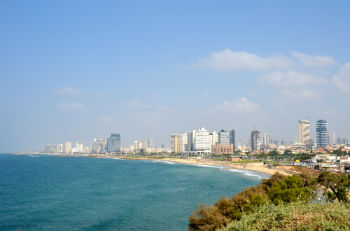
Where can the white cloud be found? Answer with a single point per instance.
(291, 78)
(71, 106)
(313, 61)
(294, 84)
(239, 106)
(300, 94)
(107, 120)
(67, 91)
(228, 60)
(341, 78)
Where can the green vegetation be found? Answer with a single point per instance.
(245, 161)
(287, 156)
(274, 194)
(339, 152)
(295, 216)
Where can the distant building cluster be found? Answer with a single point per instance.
(99, 146)
(202, 142)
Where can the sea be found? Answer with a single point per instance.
(42, 192)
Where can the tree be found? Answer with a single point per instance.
(293, 188)
(337, 184)
(206, 218)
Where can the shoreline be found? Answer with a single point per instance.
(258, 167)
(255, 167)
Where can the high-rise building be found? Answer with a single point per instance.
(190, 140)
(60, 148)
(50, 148)
(254, 139)
(98, 145)
(149, 143)
(113, 143)
(233, 139)
(227, 137)
(184, 143)
(176, 143)
(68, 147)
(321, 134)
(138, 146)
(266, 139)
(202, 142)
(332, 139)
(224, 137)
(79, 147)
(214, 138)
(304, 133)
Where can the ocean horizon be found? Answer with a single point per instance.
(41, 192)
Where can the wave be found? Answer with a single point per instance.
(247, 173)
(244, 172)
(163, 161)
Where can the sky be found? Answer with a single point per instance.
(75, 70)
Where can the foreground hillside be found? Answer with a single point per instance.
(295, 216)
(297, 202)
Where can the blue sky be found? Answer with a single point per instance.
(75, 70)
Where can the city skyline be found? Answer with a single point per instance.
(201, 142)
(80, 70)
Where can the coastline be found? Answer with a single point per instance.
(253, 166)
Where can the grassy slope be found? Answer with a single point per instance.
(295, 216)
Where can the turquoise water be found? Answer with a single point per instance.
(71, 193)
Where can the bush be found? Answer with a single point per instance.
(289, 190)
(295, 216)
(277, 189)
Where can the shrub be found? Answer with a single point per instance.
(295, 216)
(276, 189)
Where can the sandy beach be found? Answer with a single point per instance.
(254, 166)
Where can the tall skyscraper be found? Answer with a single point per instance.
(149, 143)
(321, 134)
(98, 145)
(202, 141)
(266, 139)
(176, 143)
(79, 147)
(254, 139)
(332, 139)
(113, 143)
(227, 137)
(68, 147)
(184, 142)
(224, 137)
(304, 133)
(214, 138)
(233, 139)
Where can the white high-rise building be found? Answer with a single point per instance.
(68, 147)
(266, 139)
(304, 133)
(138, 145)
(176, 143)
(202, 141)
(184, 143)
(332, 138)
(60, 148)
(214, 138)
(149, 143)
(79, 147)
